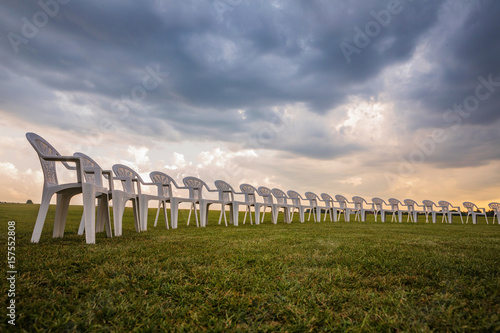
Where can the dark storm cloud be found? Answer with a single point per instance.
(461, 58)
(256, 56)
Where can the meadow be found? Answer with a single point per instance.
(327, 276)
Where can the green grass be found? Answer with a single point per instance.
(300, 277)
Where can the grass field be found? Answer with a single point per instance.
(287, 277)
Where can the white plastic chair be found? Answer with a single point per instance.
(344, 207)
(394, 203)
(330, 209)
(226, 197)
(167, 184)
(250, 201)
(378, 207)
(48, 155)
(428, 206)
(163, 184)
(313, 206)
(495, 206)
(132, 184)
(267, 196)
(447, 211)
(296, 204)
(360, 209)
(195, 187)
(93, 173)
(281, 203)
(412, 209)
(473, 210)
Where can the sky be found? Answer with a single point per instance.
(374, 98)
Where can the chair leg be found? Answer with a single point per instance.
(234, 213)
(81, 228)
(225, 218)
(100, 223)
(158, 212)
(137, 214)
(196, 215)
(40, 220)
(105, 215)
(165, 214)
(143, 209)
(61, 214)
(257, 214)
(174, 212)
(221, 212)
(204, 209)
(245, 217)
(89, 212)
(190, 209)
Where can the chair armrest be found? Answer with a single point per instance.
(65, 159)
(108, 174)
(156, 184)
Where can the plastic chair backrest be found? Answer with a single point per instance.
(470, 206)
(410, 204)
(341, 200)
(280, 196)
(225, 190)
(249, 192)
(88, 162)
(127, 174)
(165, 180)
(358, 202)
(445, 205)
(295, 197)
(327, 199)
(378, 203)
(394, 203)
(495, 206)
(428, 204)
(43, 148)
(313, 198)
(195, 186)
(266, 194)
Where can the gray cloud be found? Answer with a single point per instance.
(259, 56)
